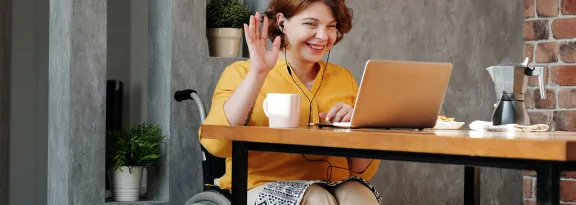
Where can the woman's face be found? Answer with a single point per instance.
(311, 33)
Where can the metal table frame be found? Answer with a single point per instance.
(548, 179)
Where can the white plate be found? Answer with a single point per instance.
(441, 125)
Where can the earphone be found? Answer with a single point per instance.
(314, 96)
(289, 70)
(329, 170)
(281, 25)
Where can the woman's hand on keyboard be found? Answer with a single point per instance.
(341, 112)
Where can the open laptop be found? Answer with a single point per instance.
(399, 94)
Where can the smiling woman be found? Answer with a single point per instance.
(338, 16)
(302, 31)
(308, 30)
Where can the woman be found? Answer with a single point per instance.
(302, 31)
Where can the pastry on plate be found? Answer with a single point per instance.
(447, 123)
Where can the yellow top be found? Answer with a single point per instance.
(338, 85)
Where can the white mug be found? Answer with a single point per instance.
(282, 110)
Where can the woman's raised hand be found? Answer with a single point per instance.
(262, 60)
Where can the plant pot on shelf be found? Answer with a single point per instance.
(128, 152)
(224, 42)
(126, 182)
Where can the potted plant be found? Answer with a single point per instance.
(224, 22)
(128, 152)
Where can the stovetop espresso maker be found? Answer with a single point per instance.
(510, 81)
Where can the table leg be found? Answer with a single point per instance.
(548, 185)
(471, 185)
(239, 173)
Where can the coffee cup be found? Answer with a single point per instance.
(282, 110)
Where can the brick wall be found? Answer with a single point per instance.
(550, 40)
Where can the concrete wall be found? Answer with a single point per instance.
(29, 87)
(470, 34)
(4, 97)
(128, 55)
(29, 102)
(138, 87)
(76, 105)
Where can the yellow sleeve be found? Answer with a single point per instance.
(228, 82)
(370, 170)
(354, 87)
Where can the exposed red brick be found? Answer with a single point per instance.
(571, 175)
(533, 202)
(568, 191)
(567, 98)
(563, 75)
(535, 184)
(529, 173)
(568, 7)
(567, 52)
(548, 103)
(527, 187)
(535, 30)
(564, 121)
(547, 52)
(564, 28)
(529, 51)
(529, 98)
(529, 202)
(543, 117)
(529, 10)
(547, 8)
(533, 80)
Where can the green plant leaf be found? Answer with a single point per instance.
(135, 146)
(226, 14)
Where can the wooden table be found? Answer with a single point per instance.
(548, 153)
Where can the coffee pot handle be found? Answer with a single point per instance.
(539, 71)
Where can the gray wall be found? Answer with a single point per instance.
(29, 87)
(76, 105)
(4, 96)
(470, 34)
(118, 46)
(128, 54)
(28, 102)
(138, 89)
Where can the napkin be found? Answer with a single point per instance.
(488, 126)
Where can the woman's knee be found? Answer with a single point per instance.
(316, 194)
(354, 192)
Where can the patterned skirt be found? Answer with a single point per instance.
(292, 192)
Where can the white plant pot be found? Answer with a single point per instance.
(126, 183)
(224, 42)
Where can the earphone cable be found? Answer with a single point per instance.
(309, 101)
(329, 170)
(330, 166)
(321, 81)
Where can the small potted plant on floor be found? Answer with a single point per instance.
(224, 22)
(128, 152)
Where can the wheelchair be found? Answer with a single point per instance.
(212, 167)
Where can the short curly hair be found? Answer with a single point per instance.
(289, 8)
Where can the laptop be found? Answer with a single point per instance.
(399, 94)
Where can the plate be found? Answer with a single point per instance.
(441, 125)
